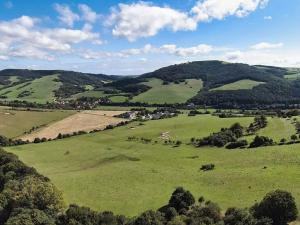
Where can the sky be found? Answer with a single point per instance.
(135, 37)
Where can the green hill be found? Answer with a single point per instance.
(46, 85)
(222, 85)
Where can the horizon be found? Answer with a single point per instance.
(135, 37)
(129, 75)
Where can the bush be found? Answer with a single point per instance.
(207, 167)
(181, 199)
(237, 144)
(260, 141)
(280, 206)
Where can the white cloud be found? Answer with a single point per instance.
(88, 14)
(190, 51)
(30, 52)
(66, 15)
(169, 49)
(144, 20)
(207, 10)
(268, 18)
(266, 45)
(234, 56)
(3, 57)
(22, 33)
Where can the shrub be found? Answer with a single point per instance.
(181, 199)
(207, 167)
(280, 206)
(261, 141)
(237, 144)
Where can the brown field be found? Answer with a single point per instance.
(82, 121)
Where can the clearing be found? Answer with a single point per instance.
(170, 93)
(239, 85)
(39, 90)
(87, 120)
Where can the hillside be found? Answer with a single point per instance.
(225, 84)
(47, 85)
(213, 83)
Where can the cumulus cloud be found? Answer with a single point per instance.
(88, 14)
(219, 9)
(66, 15)
(170, 49)
(142, 19)
(266, 45)
(22, 33)
(234, 55)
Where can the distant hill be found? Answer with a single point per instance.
(252, 84)
(18, 84)
(219, 84)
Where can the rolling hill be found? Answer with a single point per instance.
(213, 83)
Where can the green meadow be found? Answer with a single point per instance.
(39, 90)
(170, 93)
(238, 85)
(105, 171)
(14, 123)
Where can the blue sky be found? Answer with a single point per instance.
(133, 37)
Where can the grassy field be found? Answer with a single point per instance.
(14, 123)
(171, 93)
(293, 76)
(89, 93)
(106, 172)
(238, 85)
(39, 90)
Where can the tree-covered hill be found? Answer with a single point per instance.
(224, 84)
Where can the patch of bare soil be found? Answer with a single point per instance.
(83, 121)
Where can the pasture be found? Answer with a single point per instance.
(39, 90)
(238, 85)
(105, 171)
(14, 123)
(170, 93)
(87, 120)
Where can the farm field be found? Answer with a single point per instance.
(105, 171)
(14, 123)
(87, 120)
(238, 85)
(171, 93)
(39, 90)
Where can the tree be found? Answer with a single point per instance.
(279, 206)
(181, 199)
(29, 217)
(149, 218)
(294, 137)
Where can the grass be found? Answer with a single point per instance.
(171, 93)
(239, 85)
(91, 93)
(14, 123)
(293, 76)
(118, 98)
(106, 172)
(39, 90)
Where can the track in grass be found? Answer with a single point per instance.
(171, 93)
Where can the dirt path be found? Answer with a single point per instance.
(83, 121)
